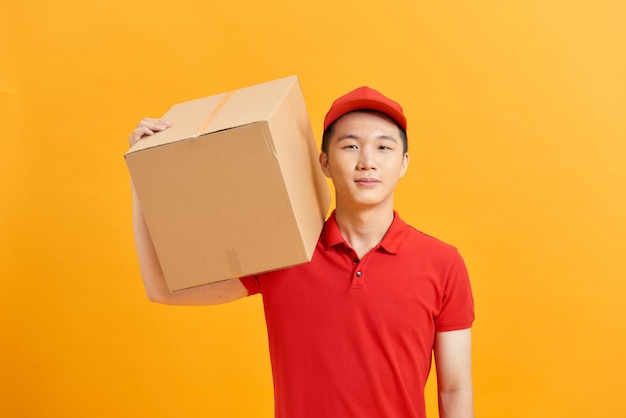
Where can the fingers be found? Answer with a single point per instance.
(147, 127)
(154, 124)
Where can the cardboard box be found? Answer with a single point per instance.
(234, 186)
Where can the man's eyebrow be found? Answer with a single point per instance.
(347, 136)
(387, 138)
(353, 136)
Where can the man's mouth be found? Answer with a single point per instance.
(367, 181)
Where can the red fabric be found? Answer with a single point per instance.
(345, 344)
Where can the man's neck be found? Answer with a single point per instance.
(363, 229)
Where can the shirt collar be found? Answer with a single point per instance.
(391, 242)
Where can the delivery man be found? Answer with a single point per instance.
(352, 333)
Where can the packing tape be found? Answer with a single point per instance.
(207, 121)
(233, 263)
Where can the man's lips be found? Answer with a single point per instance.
(367, 181)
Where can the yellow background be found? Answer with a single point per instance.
(517, 135)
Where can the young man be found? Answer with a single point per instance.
(352, 333)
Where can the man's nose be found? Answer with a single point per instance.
(366, 159)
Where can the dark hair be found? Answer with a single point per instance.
(328, 133)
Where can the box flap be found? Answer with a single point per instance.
(215, 113)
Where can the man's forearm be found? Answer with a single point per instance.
(456, 404)
(151, 273)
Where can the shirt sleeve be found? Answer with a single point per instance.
(251, 283)
(457, 305)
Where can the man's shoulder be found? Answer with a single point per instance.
(417, 238)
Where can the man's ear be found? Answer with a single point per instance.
(324, 163)
(405, 164)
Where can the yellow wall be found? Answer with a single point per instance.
(517, 131)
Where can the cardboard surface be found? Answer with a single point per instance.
(233, 187)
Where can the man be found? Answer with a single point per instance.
(352, 332)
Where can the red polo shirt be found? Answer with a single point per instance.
(353, 337)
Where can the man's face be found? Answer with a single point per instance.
(365, 160)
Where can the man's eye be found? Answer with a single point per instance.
(384, 147)
(350, 147)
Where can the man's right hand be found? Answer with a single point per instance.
(147, 127)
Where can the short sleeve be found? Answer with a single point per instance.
(457, 305)
(251, 283)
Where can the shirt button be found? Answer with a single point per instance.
(356, 259)
(359, 274)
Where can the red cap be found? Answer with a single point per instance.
(365, 98)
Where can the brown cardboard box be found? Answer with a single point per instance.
(234, 186)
